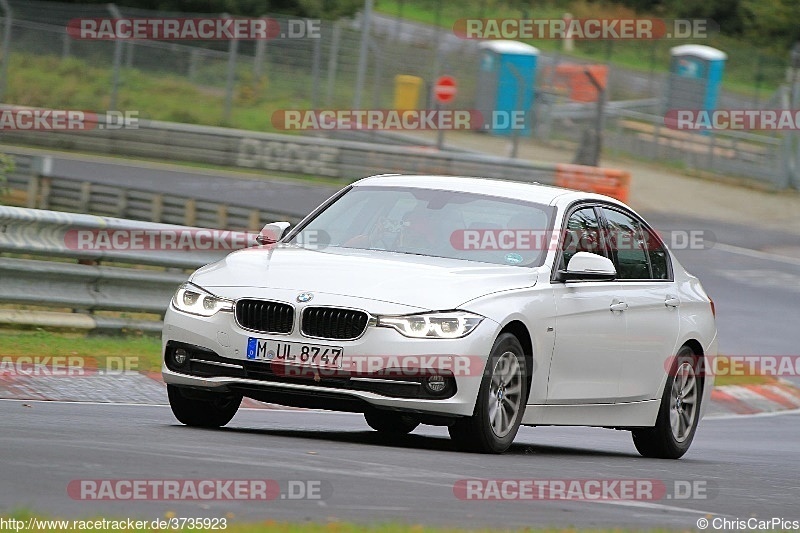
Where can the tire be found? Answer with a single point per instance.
(678, 415)
(500, 404)
(214, 412)
(390, 422)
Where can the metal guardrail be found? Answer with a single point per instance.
(294, 154)
(349, 160)
(29, 187)
(73, 280)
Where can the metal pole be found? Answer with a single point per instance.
(440, 131)
(115, 13)
(333, 61)
(518, 101)
(8, 19)
(258, 60)
(366, 17)
(317, 58)
(437, 60)
(230, 79)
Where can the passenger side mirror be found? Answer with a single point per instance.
(272, 232)
(588, 266)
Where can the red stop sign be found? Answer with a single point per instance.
(445, 89)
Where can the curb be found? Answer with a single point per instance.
(754, 399)
(147, 388)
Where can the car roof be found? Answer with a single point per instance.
(530, 191)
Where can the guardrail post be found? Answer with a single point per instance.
(254, 220)
(45, 184)
(33, 191)
(122, 203)
(85, 196)
(190, 212)
(222, 216)
(157, 210)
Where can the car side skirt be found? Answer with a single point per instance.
(631, 414)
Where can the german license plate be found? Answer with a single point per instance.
(294, 353)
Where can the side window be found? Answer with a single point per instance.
(582, 234)
(627, 244)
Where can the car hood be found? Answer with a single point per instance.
(429, 283)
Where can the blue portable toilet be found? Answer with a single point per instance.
(506, 82)
(695, 77)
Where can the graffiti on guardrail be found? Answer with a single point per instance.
(304, 158)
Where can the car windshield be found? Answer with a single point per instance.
(455, 225)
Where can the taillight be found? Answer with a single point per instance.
(713, 309)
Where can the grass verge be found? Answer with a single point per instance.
(134, 352)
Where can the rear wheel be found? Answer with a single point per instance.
(390, 422)
(199, 409)
(678, 415)
(500, 404)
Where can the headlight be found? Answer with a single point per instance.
(193, 300)
(444, 325)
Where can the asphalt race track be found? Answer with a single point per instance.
(747, 467)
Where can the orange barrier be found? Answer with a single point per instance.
(571, 79)
(608, 181)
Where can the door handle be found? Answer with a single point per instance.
(672, 301)
(616, 305)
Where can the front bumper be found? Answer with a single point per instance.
(219, 363)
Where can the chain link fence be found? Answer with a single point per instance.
(343, 70)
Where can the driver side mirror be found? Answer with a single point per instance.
(588, 266)
(272, 232)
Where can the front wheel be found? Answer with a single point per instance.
(204, 410)
(678, 415)
(500, 404)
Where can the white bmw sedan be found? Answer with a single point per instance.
(476, 304)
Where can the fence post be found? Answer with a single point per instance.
(258, 59)
(366, 18)
(317, 58)
(66, 44)
(333, 61)
(8, 19)
(230, 78)
(115, 13)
